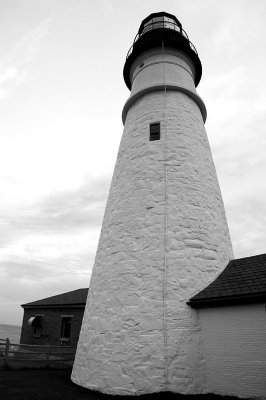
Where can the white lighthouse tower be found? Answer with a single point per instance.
(164, 235)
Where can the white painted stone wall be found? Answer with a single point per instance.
(234, 343)
(147, 69)
(164, 237)
(159, 69)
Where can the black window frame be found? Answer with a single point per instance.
(155, 131)
(66, 327)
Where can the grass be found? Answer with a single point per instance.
(34, 384)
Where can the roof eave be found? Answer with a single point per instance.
(224, 301)
(76, 305)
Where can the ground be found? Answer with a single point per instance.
(34, 384)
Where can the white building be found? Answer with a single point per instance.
(232, 316)
(164, 236)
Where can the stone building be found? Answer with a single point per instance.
(169, 309)
(54, 320)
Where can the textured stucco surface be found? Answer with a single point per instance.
(234, 344)
(164, 237)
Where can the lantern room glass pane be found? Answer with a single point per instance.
(170, 23)
(157, 19)
(158, 22)
(147, 27)
(162, 22)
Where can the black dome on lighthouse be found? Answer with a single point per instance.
(157, 30)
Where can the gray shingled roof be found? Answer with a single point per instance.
(242, 281)
(73, 298)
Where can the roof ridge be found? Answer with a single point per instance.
(70, 297)
(243, 258)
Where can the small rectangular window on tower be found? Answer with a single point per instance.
(155, 131)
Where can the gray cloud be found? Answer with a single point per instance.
(58, 213)
(14, 66)
(248, 221)
(23, 282)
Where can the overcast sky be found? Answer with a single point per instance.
(61, 97)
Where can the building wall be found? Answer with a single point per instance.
(234, 342)
(51, 325)
(164, 238)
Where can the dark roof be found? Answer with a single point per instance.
(74, 298)
(242, 281)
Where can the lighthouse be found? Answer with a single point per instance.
(164, 234)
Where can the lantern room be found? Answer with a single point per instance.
(161, 30)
